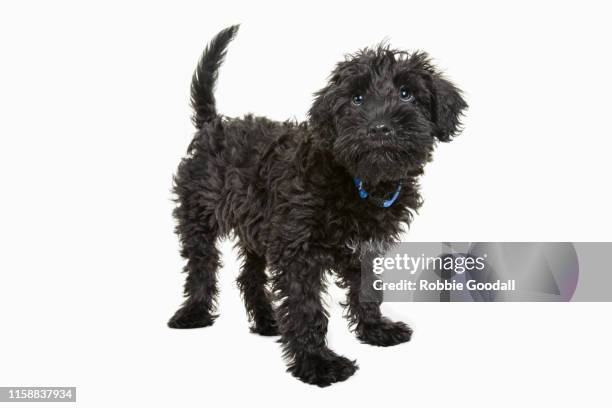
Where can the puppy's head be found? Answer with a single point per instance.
(383, 111)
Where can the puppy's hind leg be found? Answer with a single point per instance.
(201, 283)
(257, 299)
(198, 233)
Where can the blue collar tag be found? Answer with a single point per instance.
(364, 194)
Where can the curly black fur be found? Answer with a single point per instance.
(286, 191)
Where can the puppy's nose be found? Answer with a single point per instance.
(380, 129)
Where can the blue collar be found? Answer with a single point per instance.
(378, 201)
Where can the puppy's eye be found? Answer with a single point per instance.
(405, 95)
(357, 100)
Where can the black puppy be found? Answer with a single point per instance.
(307, 198)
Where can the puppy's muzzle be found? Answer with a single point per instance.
(381, 129)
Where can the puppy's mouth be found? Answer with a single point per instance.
(376, 159)
(382, 165)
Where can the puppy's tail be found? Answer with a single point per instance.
(205, 77)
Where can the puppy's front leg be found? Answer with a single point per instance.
(363, 310)
(303, 324)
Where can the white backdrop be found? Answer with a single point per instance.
(95, 117)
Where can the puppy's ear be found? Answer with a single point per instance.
(447, 107)
(320, 112)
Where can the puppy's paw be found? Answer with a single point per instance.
(191, 317)
(265, 327)
(384, 333)
(322, 368)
